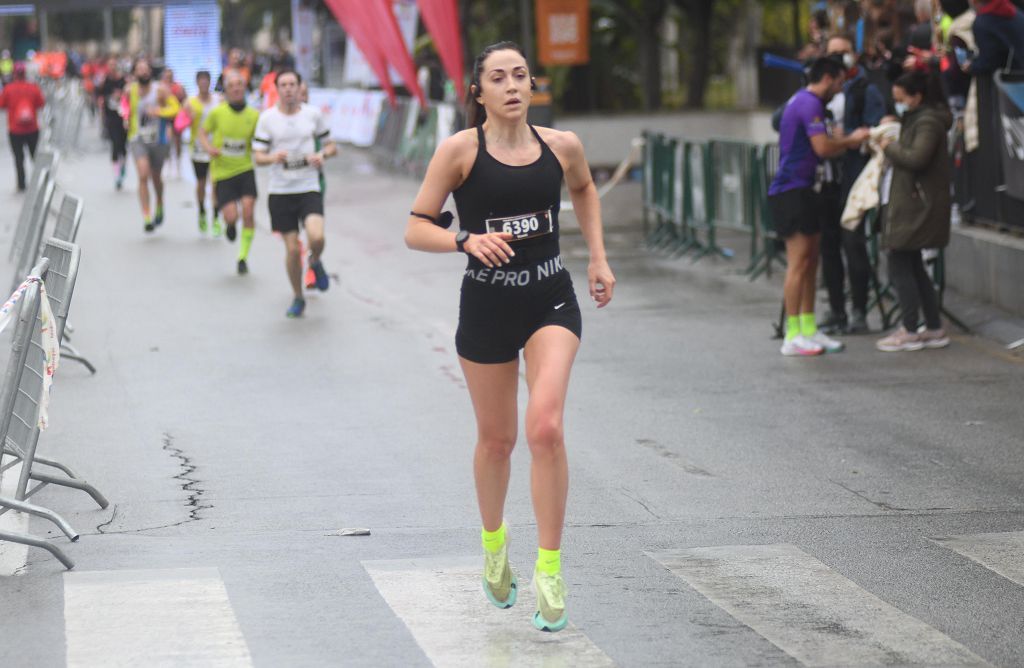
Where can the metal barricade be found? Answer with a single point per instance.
(19, 410)
(69, 218)
(32, 236)
(40, 176)
(63, 260)
(771, 249)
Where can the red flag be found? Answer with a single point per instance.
(391, 42)
(358, 26)
(441, 17)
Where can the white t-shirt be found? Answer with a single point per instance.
(297, 134)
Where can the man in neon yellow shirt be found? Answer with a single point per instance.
(227, 136)
(199, 107)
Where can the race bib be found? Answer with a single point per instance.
(113, 104)
(233, 148)
(524, 226)
(296, 163)
(147, 133)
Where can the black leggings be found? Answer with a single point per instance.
(20, 142)
(915, 289)
(118, 138)
(837, 241)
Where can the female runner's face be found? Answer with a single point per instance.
(505, 84)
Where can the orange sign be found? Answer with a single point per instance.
(563, 32)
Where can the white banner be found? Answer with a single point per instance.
(192, 41)
(357, 70)
(352, 114)
(303, 21)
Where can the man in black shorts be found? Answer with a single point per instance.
(286, 139)
(227, 136)
(795, 202)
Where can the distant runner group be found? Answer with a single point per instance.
(228, 139)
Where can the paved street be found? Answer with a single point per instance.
(729, 507)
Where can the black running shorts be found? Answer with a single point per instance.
(501, 308)
(201, 169)
(235, 188)
(287, 212)
(796, 211)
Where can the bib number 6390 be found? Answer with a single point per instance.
(523, 226)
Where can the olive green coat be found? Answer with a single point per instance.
(919, 201)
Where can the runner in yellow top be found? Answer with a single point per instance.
(226, 134)
(199, 107)
(149, 109)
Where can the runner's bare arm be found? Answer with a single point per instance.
(204, 141)
(587, 206)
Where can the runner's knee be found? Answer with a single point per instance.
(544, 432)
(497, 446)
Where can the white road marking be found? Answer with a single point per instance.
(1002, 553)
(442, 603)
(809, 611)
(174, 617)
(13, 556)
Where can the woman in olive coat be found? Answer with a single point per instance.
(916, 215)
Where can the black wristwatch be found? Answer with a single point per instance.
(460, 241)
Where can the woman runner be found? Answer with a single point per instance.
(506, 177)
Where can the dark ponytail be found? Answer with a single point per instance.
(925, 84)
(475, 112)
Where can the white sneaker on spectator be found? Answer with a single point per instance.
(899, 341)
(827, 343)
(801, 346)
(933, 338)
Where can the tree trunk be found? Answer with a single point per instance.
(651, 58)
(699, 12)
(743, 54)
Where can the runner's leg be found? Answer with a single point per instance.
(293, 261)
(493, 389)
(143, 170)
(549, 355)
(314, 225)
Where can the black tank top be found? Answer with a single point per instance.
(524, 200)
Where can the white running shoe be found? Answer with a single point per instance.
(801, 346)
(827, 343)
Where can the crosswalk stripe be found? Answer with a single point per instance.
(1002, 553)
(13, 556)
(173, 617)
(809, 611)
(444, 607)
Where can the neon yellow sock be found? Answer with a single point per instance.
(549, 561)
(792, 327)
(248, 234)
(807, 325)
(493, 540)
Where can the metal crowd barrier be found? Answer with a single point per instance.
(69, 218)
(66, 104)
(408, 134)
(22, 390)
(693, 189)
(44, 160)
(29, 234)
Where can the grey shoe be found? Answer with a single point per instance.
(858, 323)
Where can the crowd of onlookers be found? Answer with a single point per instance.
(868, 140)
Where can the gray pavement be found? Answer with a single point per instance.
(728, 506)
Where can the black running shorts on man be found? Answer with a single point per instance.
(502, 307)
(235, 188)
(287, 212)
(796, 211)
(201, 169)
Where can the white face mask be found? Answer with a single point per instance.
(901, 108)
(849, 61)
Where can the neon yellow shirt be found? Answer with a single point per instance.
(199, 111)
(231, 132)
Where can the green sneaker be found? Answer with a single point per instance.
(499, 581)
(550, 615)
(202, 223)
(216, 229)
